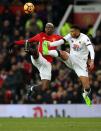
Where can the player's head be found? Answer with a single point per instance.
(75, 31)
(49, 28)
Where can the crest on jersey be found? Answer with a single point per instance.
(43, 38)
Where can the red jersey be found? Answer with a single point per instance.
(40, 38)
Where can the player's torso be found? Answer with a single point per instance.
(78, 46)
(51, 38)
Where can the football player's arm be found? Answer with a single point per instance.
(92, 54)
(56, 43)
(90, 48)
(59, 42)
(11, 46)
(20, 42)
(33, 39)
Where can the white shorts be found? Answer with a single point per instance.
(43, 66)
(77, 64)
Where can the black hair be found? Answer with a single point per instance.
(75, 27)
(49, 23)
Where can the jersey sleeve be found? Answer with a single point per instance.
(89, 47)
(61, 41)
(57, 43)
(67, 37)
(91, 50)
(20, 42)
(87, 41)
(33, 39)
(59, 37)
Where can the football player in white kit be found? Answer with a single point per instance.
(80, 47)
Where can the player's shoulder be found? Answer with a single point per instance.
(42, 33)
(83, 35)
(56, 35)
(68, 36)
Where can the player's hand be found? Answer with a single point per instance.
(27, 48)
(91, 65)
(63, 55)
(31, 48)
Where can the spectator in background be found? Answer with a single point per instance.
(97, 38)
(5, 29)
(7, 15)
(90, 31)
(18, 56)
(34, 25)
(97, 43)
(65, 29)
(14, 83)
(16, 2)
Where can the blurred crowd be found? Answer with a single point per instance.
(17, 72)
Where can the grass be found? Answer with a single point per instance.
(50, 124)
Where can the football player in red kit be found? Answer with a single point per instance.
(38, 59)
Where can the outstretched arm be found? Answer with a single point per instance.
(57, 43)
(33, 39)
(20, 42)
(60, 42)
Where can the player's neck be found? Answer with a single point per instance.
(77, 36)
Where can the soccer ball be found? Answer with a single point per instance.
(28, 8)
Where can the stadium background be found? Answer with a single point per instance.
(63, 98)
(16, 70)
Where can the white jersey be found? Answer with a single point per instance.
(79, 50)
(78, 46)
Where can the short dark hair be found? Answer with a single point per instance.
(49, 23)
(75, 27)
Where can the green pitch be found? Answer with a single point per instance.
(50, 124)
